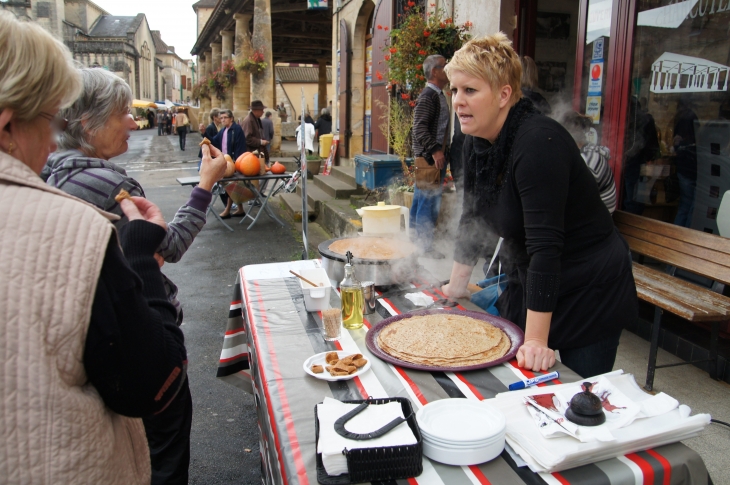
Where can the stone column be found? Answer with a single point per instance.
(242, 51)
(263, 82)
(215, 66)
(226, 55)
(201, 76)
(276, 141)
(322, 86)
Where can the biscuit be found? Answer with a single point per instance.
(317, 369)
(123, 194)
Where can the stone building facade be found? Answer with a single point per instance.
(121, 44)
(176, 72)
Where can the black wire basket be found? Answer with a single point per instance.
(377, 464)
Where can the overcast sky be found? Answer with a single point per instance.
(175, 19)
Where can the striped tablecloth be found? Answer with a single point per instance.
(270, 335)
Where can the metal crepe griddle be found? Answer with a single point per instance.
(382, 272)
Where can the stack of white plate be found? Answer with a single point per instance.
(461, 431)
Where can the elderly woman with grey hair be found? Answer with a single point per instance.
(99, 124)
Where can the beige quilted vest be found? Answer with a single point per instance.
(54, 427)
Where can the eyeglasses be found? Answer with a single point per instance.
(57, 123)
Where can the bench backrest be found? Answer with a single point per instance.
(695, 251)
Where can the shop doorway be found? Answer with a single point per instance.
(547, 33)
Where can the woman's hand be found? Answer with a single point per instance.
(140, 208)
(454, 293)
(212, 168)
(456, 287)
(535, 355)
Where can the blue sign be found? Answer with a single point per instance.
(317, 4)
(598, 48)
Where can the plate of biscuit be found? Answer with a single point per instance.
(336, 366)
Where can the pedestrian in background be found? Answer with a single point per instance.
(268, 125)
(254, 130)
(89, 339)
(230, 140)
(181, 123)
(324, 123)
(160, 122)
(430, 147)
(282, 112)
(210, 132)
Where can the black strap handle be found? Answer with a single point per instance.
(340, 425)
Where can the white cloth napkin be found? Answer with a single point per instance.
(553, 454)
(374, 417)
(419, 298)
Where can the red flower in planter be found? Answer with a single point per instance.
(378, 75)
(411, 4)
(422, 52)
(380, 27)
(426, 33)
(385, 28)
(393, 50)
(405, 96)
(387, 57)
(412, 104)
(418, 45)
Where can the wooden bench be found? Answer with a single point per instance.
(698, 252)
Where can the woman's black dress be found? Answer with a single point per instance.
(561, 250)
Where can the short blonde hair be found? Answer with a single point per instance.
(492, 59)
(529, 73)
(35, 69)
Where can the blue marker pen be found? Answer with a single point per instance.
(535, 380)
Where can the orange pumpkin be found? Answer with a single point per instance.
(248, 164)
(277, 168)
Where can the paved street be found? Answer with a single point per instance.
(224, 422)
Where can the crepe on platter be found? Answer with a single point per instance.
(444, 340)
(373, 247)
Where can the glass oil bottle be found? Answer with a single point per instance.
(351, 296)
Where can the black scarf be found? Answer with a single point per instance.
(493, 162)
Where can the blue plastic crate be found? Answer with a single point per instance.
(377, 171)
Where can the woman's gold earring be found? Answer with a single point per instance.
(10, 149)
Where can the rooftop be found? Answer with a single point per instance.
(303, 74)
(116, 26)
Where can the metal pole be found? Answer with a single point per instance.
(303, 155)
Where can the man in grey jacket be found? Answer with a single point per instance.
(430, 147)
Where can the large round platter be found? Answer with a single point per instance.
(514, 333)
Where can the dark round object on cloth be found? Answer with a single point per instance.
(585, 408)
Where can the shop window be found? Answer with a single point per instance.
(678, 113)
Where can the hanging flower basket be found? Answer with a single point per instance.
(417, 37)
(255, 64)
(229, 73)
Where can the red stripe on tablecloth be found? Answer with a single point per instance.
(356, 380)
(413, 385)
(395, 308)
(480, 476)
(468, 384)
(235, 331)
(288, 420)
(237, 302)
(366, 323)
(666, 466)
(412, 481)
(269, 409)
(561, 478)
(645, 467)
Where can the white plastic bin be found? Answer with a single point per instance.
(316, 298)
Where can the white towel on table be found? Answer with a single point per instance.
(372, 418)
